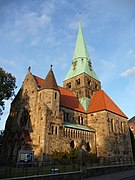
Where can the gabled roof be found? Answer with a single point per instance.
(132, 120)
(101, 101)
(50, 81)
(67, 98)
(39, 81)
(81, 61)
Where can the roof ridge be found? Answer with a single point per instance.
(101, 101)
(103, 94)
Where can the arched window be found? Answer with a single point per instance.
(72, 144)
(88, 147)
(81, 120)
(112, 125)
(56, 130)
(74, 64)
(89, 64)
(55, 95)
(78, 119)
(24, 118)
(96, 86)
(77, 81)
(122, 127)
(89, 82)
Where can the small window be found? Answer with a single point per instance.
(56, 130)
(77, 81)
(112, 125)
(52, 129)
(78, 119)
(74, 64)
(89, 82)
(81, 120)
(72, 144)
(89, 64)
(122, 127)
(68, 85)
(96, 86)
(55, 95)
(88, 147)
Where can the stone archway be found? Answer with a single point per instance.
(84, 149)
(72, 145)
(83, 145)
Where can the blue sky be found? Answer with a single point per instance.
(38, 33)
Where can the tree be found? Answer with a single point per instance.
(7, 87)
(1, 136)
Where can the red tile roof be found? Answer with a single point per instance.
(101, 101)
(67, 98)
(39, 81)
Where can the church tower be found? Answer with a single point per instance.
(81, 78)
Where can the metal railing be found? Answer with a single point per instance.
(18, 169)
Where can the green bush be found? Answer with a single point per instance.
(93, 158)
(68, 156)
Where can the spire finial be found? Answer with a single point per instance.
(51, 66)
(80, 17)
(29, 68)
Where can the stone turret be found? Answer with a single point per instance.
(50, 92)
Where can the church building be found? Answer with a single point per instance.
(45, 117)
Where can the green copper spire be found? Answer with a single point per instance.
(81, 61)
(80, 48)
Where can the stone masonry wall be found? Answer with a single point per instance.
(82, 85)
(112, 134)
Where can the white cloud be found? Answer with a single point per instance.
(129, 72)
(131, 54)
(29, 25)
(48, 7)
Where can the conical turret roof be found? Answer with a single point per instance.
(50, 81)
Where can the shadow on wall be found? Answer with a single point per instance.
(18, 128)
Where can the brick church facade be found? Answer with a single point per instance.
(45, 117)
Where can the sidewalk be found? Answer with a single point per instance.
(123, 175)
